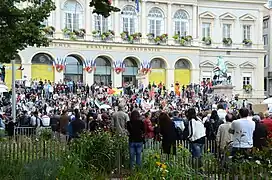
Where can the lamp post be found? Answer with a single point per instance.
(13, 91)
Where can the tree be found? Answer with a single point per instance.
(21, 27)
(103, 7)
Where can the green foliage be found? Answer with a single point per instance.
(207, 40)
(21, 27)
(247, 42)
(227, 41)
(183, 40)
(103, 7)
(45, 134)
(99, 151)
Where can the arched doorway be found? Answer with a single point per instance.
(157, 74)
(73, 69)
(129, 76)
(183, 72)
(102, 74)
(42, 67)
(18, 73)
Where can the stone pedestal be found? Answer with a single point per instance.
(223, 91)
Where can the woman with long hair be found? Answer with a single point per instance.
(196, 133)
(136, 132)
(168, 132)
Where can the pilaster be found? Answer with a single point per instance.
(88, 78)
(59, 76)
(194, 29)
(57, 23)
(195, 76)
(88, 22)
(27, 71)
(117, 80)
(169, 23)
(143, 20)
(170, 77)
(116, 23)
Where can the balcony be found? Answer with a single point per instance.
(74, 35)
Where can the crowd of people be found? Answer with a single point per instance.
(145, 115)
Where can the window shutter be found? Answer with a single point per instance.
(122, 24)
(65, 20)
(93, 22)
(148, 26)
(80, 20)
(110, 23)
(136, 21)
(187, 28)
(162, 31)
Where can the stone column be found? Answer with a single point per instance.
(143, 21)
(170, 77)
(58, 21)
(27, 70)
(117, 80)
(116, 22)
(169, 19)
(260, 37)
(195, 17)
(195, 76)
(88, 22)
(89, 78)
(59, 76)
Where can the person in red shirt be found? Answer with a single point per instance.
(267, 121)
(149, 130)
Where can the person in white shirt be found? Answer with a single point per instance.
(197, 133)
(242, 130)
(45, 120)
(221, 112)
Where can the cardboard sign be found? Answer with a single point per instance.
(259, 108)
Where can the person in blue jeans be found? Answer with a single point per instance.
(135, 129)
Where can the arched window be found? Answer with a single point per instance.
(101, 23)
(157, 64)
(73, 14)
(102, 61)
(17, 59)
(181, 21)
(73, 65)
(130, 62)
(129, 19)
(155, 22)
(182, 64)
(42, 58)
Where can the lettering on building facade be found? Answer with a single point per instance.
(106, 47)
(142, 49)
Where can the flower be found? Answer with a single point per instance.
(258, 162)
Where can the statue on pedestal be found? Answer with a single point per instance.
(220, 73)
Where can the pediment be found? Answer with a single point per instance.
(247, 17)
(230, 64)
(227, 16)
(207, 15)
(207, 64)
(247, 65)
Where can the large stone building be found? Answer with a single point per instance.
(171, 60)
(267, 38)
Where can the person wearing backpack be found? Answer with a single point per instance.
(179, 125)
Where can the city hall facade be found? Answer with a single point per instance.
(198, 33)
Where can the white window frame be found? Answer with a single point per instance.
(76, 13)
(205, 32)
(152, 18)
(247, 31)
(129, 13)
(265, 24)
(101, 23)
(247, 78)
(227, 27)
(182, 19)
(265, 39)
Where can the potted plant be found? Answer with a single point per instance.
(183, 40)
(247, 42)
(227, 41)
(150, 36)
(69, 34)
(96, 33)
(207, 40)
(124, 35)
(49, 30)
(136, 36)
(107, 35)
(80, 33)
(247, 88)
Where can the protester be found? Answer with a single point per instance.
(260, 134)
(136, 130)
(149, 130)
(242, 130)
